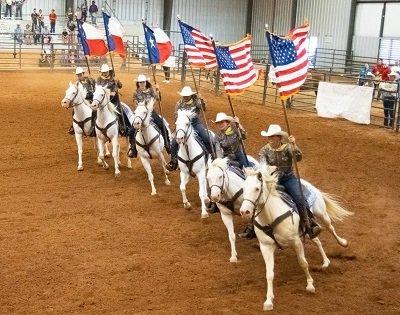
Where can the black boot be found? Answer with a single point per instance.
(173, 164)
(248, 233)
(71, 130)
(313, 229)
(132, 153)
(213, 208)
(167, 144)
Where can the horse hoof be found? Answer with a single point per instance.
(153, 193)
(107, 155)
(310, 289)
(80, 168)
(167, 172)
(343, 243)
(99, 163)
(326, 264)
(187, 205)
(268, 306)
(106, 167)
(117, 174)
(167, 182)
(233, 260)
(204, 215)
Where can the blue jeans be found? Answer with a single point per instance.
(241, 159)
(52, 27)
(291, 184)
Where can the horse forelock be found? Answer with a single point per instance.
(269, 178)
(221, 163)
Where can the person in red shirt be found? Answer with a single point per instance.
(381, 70)
(53, 19)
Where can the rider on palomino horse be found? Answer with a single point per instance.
(89, 85)
(278, 152)
(227, 140)
(107, 80)
(189, 101)
(145, 92)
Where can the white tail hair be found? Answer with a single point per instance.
(334, 208)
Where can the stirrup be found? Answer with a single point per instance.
(172, 166)
(71, 130)
(248, 233)
(314, 231)
(132, 153)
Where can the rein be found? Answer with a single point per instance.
(146, 146)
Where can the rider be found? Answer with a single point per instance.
(280, 151)
(227, 140)
(189, 101)
(89, 85)
(107, 79)
(145, 92)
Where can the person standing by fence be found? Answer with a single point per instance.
(389, 93)
(18, 9)
(8, 7)
(53, 19)
(93, 9)
(34, 18)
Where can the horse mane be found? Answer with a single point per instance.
(82, 90)
(187, 112)
(220, 162)
(269, 177)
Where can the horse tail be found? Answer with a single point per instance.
(335, 210)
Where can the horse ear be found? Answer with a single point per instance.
(70, 84)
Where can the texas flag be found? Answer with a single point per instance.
(92, 40)
(115, 34)
(158, 43)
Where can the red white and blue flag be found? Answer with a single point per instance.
(236, 66)
(290, 59)
(159, 45)
(92, 40)
(115, 34)
(198, 47)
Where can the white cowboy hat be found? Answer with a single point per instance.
(222, 117)
(274, 130)
(105, 68)
(141, 78)
(186, 91)
(79, 70)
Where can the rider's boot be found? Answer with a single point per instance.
(173, 164)
(248, 233)
(213, 208)
(132, 153)
(92, 126)
(71, 130)
(314, 228)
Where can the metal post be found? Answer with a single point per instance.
(183, 69)
(20, 61)
(159, 101)
(265, 84)
(216, 85)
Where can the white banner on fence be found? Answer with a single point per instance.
(347, 101)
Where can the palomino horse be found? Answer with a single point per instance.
(106, 126)
(226, 185)
(75, 98)
(192, 159)
(277, 225)
(149, 141)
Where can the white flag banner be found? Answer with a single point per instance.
(347, 101)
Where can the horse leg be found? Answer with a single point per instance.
(96, 146)
(100, 147)
(203, 193)
(163, 163)
(327, 222)
(147, 167)
(107, 151)
(115, 153)
(184, 180)
(298, 246)
(228, 221)
(128, 159)
(326, 261)
(79, 143)
(268, 250)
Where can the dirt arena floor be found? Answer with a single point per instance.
(89, 243)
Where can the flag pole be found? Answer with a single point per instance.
(80, 37)
(231, 106)
(116, 84)
(305, 215)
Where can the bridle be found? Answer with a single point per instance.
(257, 203)
(71, 101)
(101, 101)
(186, 132)
(222, 186)
(142, 120)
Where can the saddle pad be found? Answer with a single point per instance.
(128, 112)
(238, 171)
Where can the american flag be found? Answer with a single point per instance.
(198, 47)
(290, 59)
(236, 66)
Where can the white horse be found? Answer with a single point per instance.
(75, 98)
(275, 217)
(106, 126)
(192, 159)
(149, 141)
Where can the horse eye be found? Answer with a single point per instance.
(257, 189)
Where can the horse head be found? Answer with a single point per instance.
(101, 97)
(258, 185)
(183, 125)
(73, 95)
(143, 113)
(216, 177)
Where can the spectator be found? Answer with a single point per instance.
(8, 7)
(93, 9)
(64, 35)
(363, 74)
(381, 70)
(78, 14)
(18, 34)
(389, 92)
(46, 38)
(1, 2)
(18, 9)
(34, 18)
(70, 14)
(36, 34)
(53, 19)
(40, 18)
(84, 11)
(28, 35)
(167, 65)
(396, 68)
